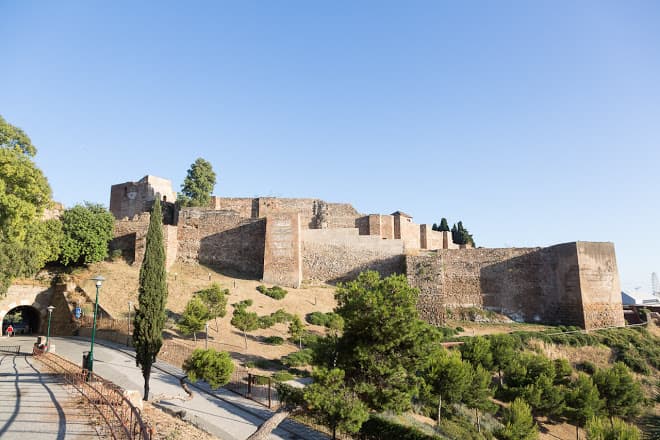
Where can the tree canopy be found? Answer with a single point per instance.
(384, 343)
(213, 367)
(194, 317)
(87, 230)
(198, 184)
(26, 243)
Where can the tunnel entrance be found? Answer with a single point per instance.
(24, 319)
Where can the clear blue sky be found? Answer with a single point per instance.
(533, 122)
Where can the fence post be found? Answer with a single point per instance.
(270, 383)
(249, 392)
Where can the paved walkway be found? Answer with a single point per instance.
(35, 405)
(221, 413)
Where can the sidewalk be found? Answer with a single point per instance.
(220, 412)
(36, 405)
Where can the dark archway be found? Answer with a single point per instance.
(24, 319)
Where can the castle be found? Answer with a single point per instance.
(294, 241)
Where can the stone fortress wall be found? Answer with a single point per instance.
(294, 241)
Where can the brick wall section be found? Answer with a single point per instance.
(530, 284)
(282, 256)
(332, 255)
(221, 239)
(600, 286)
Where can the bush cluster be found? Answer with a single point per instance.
(275, 292)
(328, 320)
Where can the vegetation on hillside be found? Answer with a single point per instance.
(275, 292)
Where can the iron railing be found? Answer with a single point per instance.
(10, 349)
(260, 389)
(120, 418)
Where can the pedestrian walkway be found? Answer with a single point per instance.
(36, 405)
(219, 412)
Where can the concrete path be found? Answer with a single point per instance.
(221, 412)
(35, 405)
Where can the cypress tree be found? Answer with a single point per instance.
(444, 226)
(150, 316)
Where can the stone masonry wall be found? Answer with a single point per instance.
(410, 234)
(332, 255)
(430, 239)
(222, 239)
(282, 259)
(129, 199)
(600, 286)
(529, 284)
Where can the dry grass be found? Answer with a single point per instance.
(183, 280)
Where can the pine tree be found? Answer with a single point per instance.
(435, 227)
(152, 291)
(454, 234)
(194, 317)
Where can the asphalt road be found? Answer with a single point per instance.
(221, 413)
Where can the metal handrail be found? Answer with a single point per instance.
(120, 416)
(10, 349)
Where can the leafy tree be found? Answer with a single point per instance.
(215, 299)
(297, 330)
(444, 226)
(244, 321)
(194, 317)
(449, 378)
(87, 231)
(622, 394)
(44, 240)
(334, 403)
(599, 428)
(198, 184)
(583, 401)
(13, 138)
(477, 351)
(384, 344)
(152, 295)
(213, 367)
(518, 423)
(24, 194)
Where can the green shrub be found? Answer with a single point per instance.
(377, 428)
(328, 320)
(283, 376)
(298, 358)
(274, 340)
(276, 317)
(275, 292)
(116, 254)
(214, 367)
(587, 367)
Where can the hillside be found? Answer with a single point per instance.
(183, 280)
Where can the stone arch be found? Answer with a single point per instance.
(31, 320)
(37, 298)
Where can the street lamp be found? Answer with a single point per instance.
(50, 312)
(90, 360)
(128, 335)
